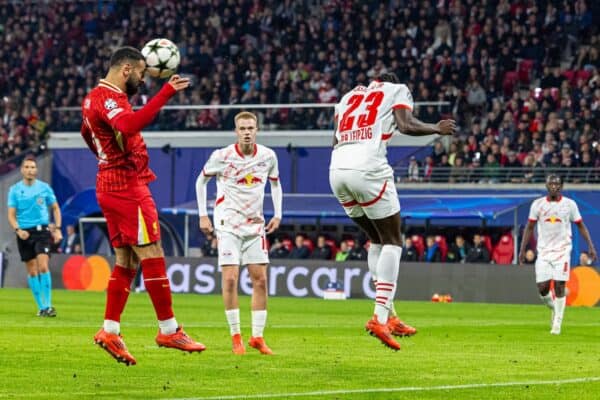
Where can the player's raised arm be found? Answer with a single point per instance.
(408, 124)
(525, 240)
(133, 122)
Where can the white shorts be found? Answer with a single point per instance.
(365, 193)
(556, 270)
(236, 250)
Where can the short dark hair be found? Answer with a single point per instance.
(554, 176)
(28, 157)
(125, 54)
(388, 77)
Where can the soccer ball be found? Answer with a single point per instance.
(162, 58)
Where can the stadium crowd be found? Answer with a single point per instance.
(522, 78)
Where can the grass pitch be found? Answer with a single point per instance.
(462, 351)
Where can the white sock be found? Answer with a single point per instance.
(233, 319)
(559, 309)
(259, 320)
(388, 266)
(372, 259)
(547, 299)
(168, 326)
(111, 326)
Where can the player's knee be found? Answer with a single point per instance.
(559, 289)
(259, 282)
(229, 283)
(543, 288)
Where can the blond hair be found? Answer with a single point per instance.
(245, 115)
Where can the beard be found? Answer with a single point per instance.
(132, 85)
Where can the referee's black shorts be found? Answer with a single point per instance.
(39, 242)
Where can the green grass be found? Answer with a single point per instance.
(320, 346)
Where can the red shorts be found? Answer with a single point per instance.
(131, 216)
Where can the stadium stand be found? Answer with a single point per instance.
(484, 59)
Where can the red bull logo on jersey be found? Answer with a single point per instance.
(249, 180)
(553, 219)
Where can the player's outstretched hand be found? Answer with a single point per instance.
(178, 82)
(205, 225)
(273, 225)
(447, 127)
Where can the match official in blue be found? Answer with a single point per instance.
(28, 202)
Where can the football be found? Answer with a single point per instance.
(162, 58)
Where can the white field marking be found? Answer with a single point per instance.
(398, 389)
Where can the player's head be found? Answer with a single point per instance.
(246, 127)
(554, 185)
(388, 77)
(29, 168)
(130, 65)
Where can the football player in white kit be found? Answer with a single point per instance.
(242, 170)
(363, 182)
(553, 215)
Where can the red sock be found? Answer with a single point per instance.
(158, 287)
(118, 292)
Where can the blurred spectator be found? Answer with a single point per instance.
(300, 250)
(357, 252)
(69, 241)
(413, 170)
(478, 253)
(409, 253)
(432, 251)
(278, 249)
(322, 251)
(458, 250)
(342, 253)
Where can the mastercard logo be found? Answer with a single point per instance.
(86, 273)
(584, 287)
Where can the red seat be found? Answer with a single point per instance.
(334, 249)
(570, 75)
(443, 246)
(419, 244)
(504, 251)
(287, 243)
(583, 75)
(525, 67)
(508, 83)
(309, 243)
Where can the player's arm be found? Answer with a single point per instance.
(86, 134)
(408, 124)
(277, 197)
(525, 240)
(129, 122)
(204, 223)
(583, 230)
(56, 232)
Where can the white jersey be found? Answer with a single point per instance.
(554, 240)
(365, 122)
(241, 188)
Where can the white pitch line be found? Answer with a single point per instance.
(399, 389)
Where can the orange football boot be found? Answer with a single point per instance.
(259, 344)
(115, 346)
(399, 328)
(381, 332)
(179, 340)
(237, 346)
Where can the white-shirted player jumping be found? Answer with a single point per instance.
(363, 182)
(242, 170)
(553, 215)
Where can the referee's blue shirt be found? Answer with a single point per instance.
(31, 203)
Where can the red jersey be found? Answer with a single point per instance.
(122, 157)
